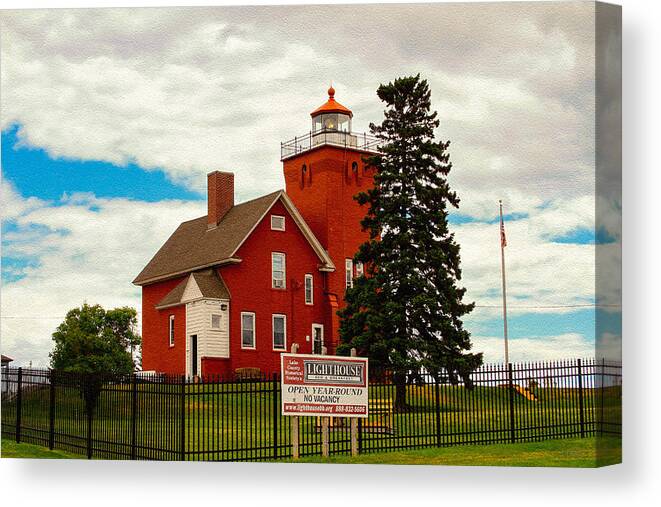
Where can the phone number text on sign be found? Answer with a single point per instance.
(324, 385)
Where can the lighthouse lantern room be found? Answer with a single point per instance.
(331, 125)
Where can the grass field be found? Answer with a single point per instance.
(10, 449)
(574, 452)
(551, 453)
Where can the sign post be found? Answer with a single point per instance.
(324, 386)
(325, 422)
(296, 453)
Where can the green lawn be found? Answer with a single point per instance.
(575, 452)
(10, 449)
(551, 453)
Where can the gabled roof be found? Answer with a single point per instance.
(193, 246)
(6, 359)
(208, 282)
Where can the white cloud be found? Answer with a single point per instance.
(88, 249)
(541, 348)
(191, 90)
(539, 272)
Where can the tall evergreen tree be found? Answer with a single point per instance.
(406, 312)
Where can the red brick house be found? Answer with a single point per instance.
(239, 286)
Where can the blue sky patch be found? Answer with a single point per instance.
(585, 236)
(34, 173)
(535, 324)
(461, 218)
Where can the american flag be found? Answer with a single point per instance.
(503, 239)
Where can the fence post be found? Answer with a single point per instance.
(134, 414)
(580, 399)
(182, 429)
(325, 425)
(89, 422)
(19, 403)
(437, 401)
(603, 388)
(354, 420)
(511, 391)
(51, 412)
(275, 416)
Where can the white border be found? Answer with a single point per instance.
(254, 331)
(284, 318)
(284, 271)
(277, 228)
(171, 332)
(308, 276)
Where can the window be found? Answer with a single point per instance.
(215, 321)
(278, 270)
(309, 284)
(359, 269)
(279, 332)
(247, 330)
(277, 223)
(348, 272)
(171, 331)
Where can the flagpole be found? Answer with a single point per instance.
(502, 269)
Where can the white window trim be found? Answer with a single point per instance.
(171, 331)
(220, 322)
(348, 269)
(308, 276)
(254, 333)
(284, 318)
(284, 270)
(273, 228)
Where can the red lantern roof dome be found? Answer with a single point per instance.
(331, 106)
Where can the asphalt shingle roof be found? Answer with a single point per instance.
(210, 283)
(194, 246)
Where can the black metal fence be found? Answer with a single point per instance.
(168, 418)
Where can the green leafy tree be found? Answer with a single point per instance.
(95, 343)
(406, 312)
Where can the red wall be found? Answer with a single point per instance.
(156, 351)
(250, 287)
(325, 198)
(217, 367)
(249, 283)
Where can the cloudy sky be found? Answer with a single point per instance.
(112, 118)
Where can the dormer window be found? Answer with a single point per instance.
(277, 223)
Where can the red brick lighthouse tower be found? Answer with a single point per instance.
(323, 172)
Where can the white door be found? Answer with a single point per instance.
(317, 338)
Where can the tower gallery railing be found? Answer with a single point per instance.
(354, 140)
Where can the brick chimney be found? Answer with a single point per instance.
(220, 196)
